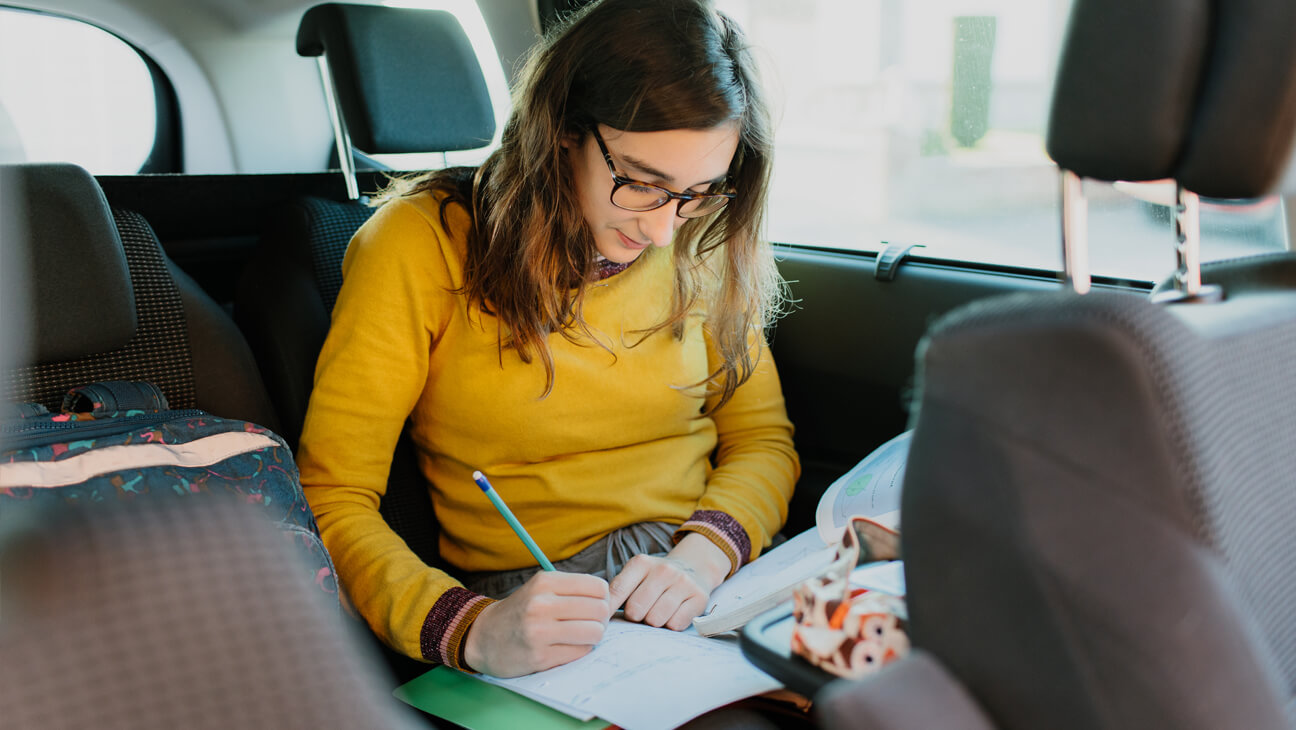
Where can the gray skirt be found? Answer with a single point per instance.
(604, 558)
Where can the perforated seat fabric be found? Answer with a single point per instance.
(173, 615)
(913, 693)
(1110, 480)
(157, 352)
(333, 224)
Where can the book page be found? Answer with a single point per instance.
(645, 678)
(764, 583)
(871, 489)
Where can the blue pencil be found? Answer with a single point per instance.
(513, 521)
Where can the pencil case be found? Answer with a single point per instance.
(847, 631)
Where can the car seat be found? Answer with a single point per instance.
(106, 303)
(166, 615)
(1098, 503)
(397, 80)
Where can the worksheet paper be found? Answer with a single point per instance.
(645, 678)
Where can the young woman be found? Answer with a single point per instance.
(581, 319)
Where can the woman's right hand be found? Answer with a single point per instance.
(551, 620)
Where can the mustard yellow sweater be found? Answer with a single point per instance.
(613, 444)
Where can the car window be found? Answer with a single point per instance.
(923, 123)
(72, 92)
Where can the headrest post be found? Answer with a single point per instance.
(1186, 223)
(1187, 232)
(346, 157)
(1075, 232)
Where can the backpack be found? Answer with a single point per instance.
(117, 442)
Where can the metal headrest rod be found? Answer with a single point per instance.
(1075, 232)
(346, 156)
(1188, 285)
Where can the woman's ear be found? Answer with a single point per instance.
(570, 140)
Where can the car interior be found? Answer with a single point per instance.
(1104, 464)
(1095, 509)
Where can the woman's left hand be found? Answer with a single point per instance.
(670, 591)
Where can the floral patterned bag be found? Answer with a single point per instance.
(117, 442)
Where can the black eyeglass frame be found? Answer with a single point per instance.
(620, 181)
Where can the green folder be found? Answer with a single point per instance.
(476, 705)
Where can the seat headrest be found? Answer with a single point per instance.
(1199, 91)
(79, 286)
(407, 79)
(1126, 81)
(1246, 107)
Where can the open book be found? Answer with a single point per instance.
(645, 678)
(871, 489)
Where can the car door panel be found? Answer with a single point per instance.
(845, 353)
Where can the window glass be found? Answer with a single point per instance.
(923, 123)
(71, 92)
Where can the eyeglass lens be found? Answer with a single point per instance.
(647, 197)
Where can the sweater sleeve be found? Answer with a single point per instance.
(371, 372)
(756, 467)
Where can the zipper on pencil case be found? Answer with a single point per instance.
(22, 435)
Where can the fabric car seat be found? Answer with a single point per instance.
(106, 303)
(1098, 503)
(174, 615)
(399, 80)
(152, 614)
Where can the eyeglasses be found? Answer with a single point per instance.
(641, 196)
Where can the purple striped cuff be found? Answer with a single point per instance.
(446, 625)
(724, 531)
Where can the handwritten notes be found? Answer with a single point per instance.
(645, 678)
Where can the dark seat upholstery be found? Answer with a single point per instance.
(403, 80)
(286, 293)
(107, 304)
(1098, 503)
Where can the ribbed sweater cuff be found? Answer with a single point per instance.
(722, 530)
(446, 625)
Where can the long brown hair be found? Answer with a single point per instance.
(637, 66)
